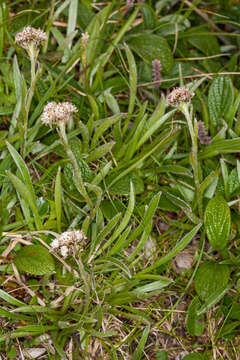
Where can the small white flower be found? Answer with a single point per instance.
(30, 37)
(64, 251)
(180, 95)
(71, 237)
(54, 113)
(55, 244)
(66, 242)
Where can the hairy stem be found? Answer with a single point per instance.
(194, 157)
(77, 172)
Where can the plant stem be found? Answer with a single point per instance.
(77, 172)
(33, 54)
(194, 157)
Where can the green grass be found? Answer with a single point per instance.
(156, 195)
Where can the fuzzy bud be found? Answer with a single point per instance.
(156, 72)
(202, 134)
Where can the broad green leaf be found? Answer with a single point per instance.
(110, 208)
(194, 356)
(217, 220)
(220, 98)
(213, 299)
(35, 260)
(233, 182)
(162, 355)
(211, 279)
(207, 44)
(151, 47)
(122, 186)
(194, 326)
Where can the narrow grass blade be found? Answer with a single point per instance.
(72, 18)
(24, 192)
(22, 167)
(139, 352)
(179, 247)
(124, 221)
(10, 315)
(154, 127)
(132, 79)
(10, 299)
(104, 126)
(100, 151)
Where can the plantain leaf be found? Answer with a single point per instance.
(211, 279)
(35, 260)
(220, 98)
(217, 220)
(194, 326)
(151, 47)
(122, 186)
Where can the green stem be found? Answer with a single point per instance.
(77, 172)
(194, 157)
(33, 54)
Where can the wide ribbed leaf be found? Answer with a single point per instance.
(35, 260)
(194, 326)
(151, 47)
(211, 279)
(217, 220)
(220, 98)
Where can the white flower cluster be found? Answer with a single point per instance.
(54, 113)
(180, 95)
(30, 36)
(67, 240)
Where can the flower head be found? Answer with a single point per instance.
(30, 37)
(67, 241)
(202, 134)
(54, 113)
(156, 72)
(180, 95)
(85, 38)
